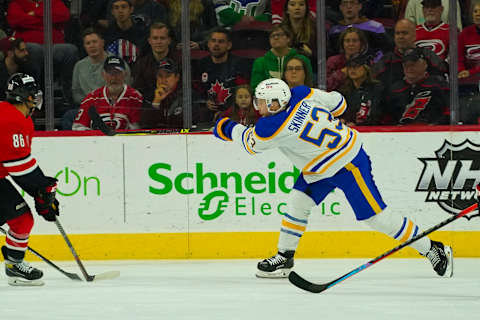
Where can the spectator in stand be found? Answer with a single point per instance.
(243, 111)
(296, 72)
(469, 46)
(231, 12)
(271, 65)
(370, 8)
(87, 73)
(94, 13)
(419, 98)
(378, 40)
(297, 19)
(216, 77)
(144, 70)
(433, 34)
(389, 69)
(162, 108)
(118, 104)
(25, 17)
(362, 92)
(16, 60)
(125, 37)
(353, 42)
(146, 11)
(278, 10)
(202, 21)
(414, 12)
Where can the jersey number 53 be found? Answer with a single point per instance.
(325, 132)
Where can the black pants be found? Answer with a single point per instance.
(12, 204)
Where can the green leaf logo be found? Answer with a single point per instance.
(213, 205)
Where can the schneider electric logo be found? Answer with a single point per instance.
(226, 190)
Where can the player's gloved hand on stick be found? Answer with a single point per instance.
(45, 202)
(223, 129)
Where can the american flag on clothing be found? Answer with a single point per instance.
(124, 49)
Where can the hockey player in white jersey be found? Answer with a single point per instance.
(303, 123)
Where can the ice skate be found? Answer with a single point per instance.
(21, 273)
(278, 266)
(441, 257)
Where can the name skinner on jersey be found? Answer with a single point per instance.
(300, 116)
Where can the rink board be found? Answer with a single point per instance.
(192, 196)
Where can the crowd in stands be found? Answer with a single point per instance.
(389, 58)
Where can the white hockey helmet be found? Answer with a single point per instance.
(271, 90)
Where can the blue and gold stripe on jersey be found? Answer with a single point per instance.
(340, 108)
(248, 141)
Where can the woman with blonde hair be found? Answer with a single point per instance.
(297, 18)
(202, 20)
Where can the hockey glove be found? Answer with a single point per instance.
(223, 129)
(45, 202)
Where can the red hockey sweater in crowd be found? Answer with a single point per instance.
(469, 50)
(436, 39)
(30, 26)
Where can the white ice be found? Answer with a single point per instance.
(405, 289)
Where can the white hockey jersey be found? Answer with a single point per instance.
(307, 132)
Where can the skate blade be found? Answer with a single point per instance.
(277, 274)
(449, 254)
(19, 282)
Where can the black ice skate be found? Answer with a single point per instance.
(21, 273)
(441, 257)
(278, 266)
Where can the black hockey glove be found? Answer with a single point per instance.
(45, 202)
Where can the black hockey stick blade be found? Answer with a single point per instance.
(98, 122)
(88, 277)
(70, 275)
(306, 285)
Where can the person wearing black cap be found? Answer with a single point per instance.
(162, 107)
(362, 92)
(419, 97)
(433, 34)
(389, 69)
(118, 104)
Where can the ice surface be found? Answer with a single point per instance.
(405, 289)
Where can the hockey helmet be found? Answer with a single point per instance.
(272, 90)
(20, 87)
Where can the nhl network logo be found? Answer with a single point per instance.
(451, 177)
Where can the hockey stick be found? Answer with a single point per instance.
(97, 123)
(72, 276)
(88, 278)
(300, 282)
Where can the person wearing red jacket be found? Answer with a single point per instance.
(25, 17)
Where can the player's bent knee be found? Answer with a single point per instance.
(299, 203)
(21, 225)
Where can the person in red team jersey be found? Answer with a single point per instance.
(117, 104)
(23, 96)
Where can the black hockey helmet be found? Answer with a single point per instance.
(21, 86)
